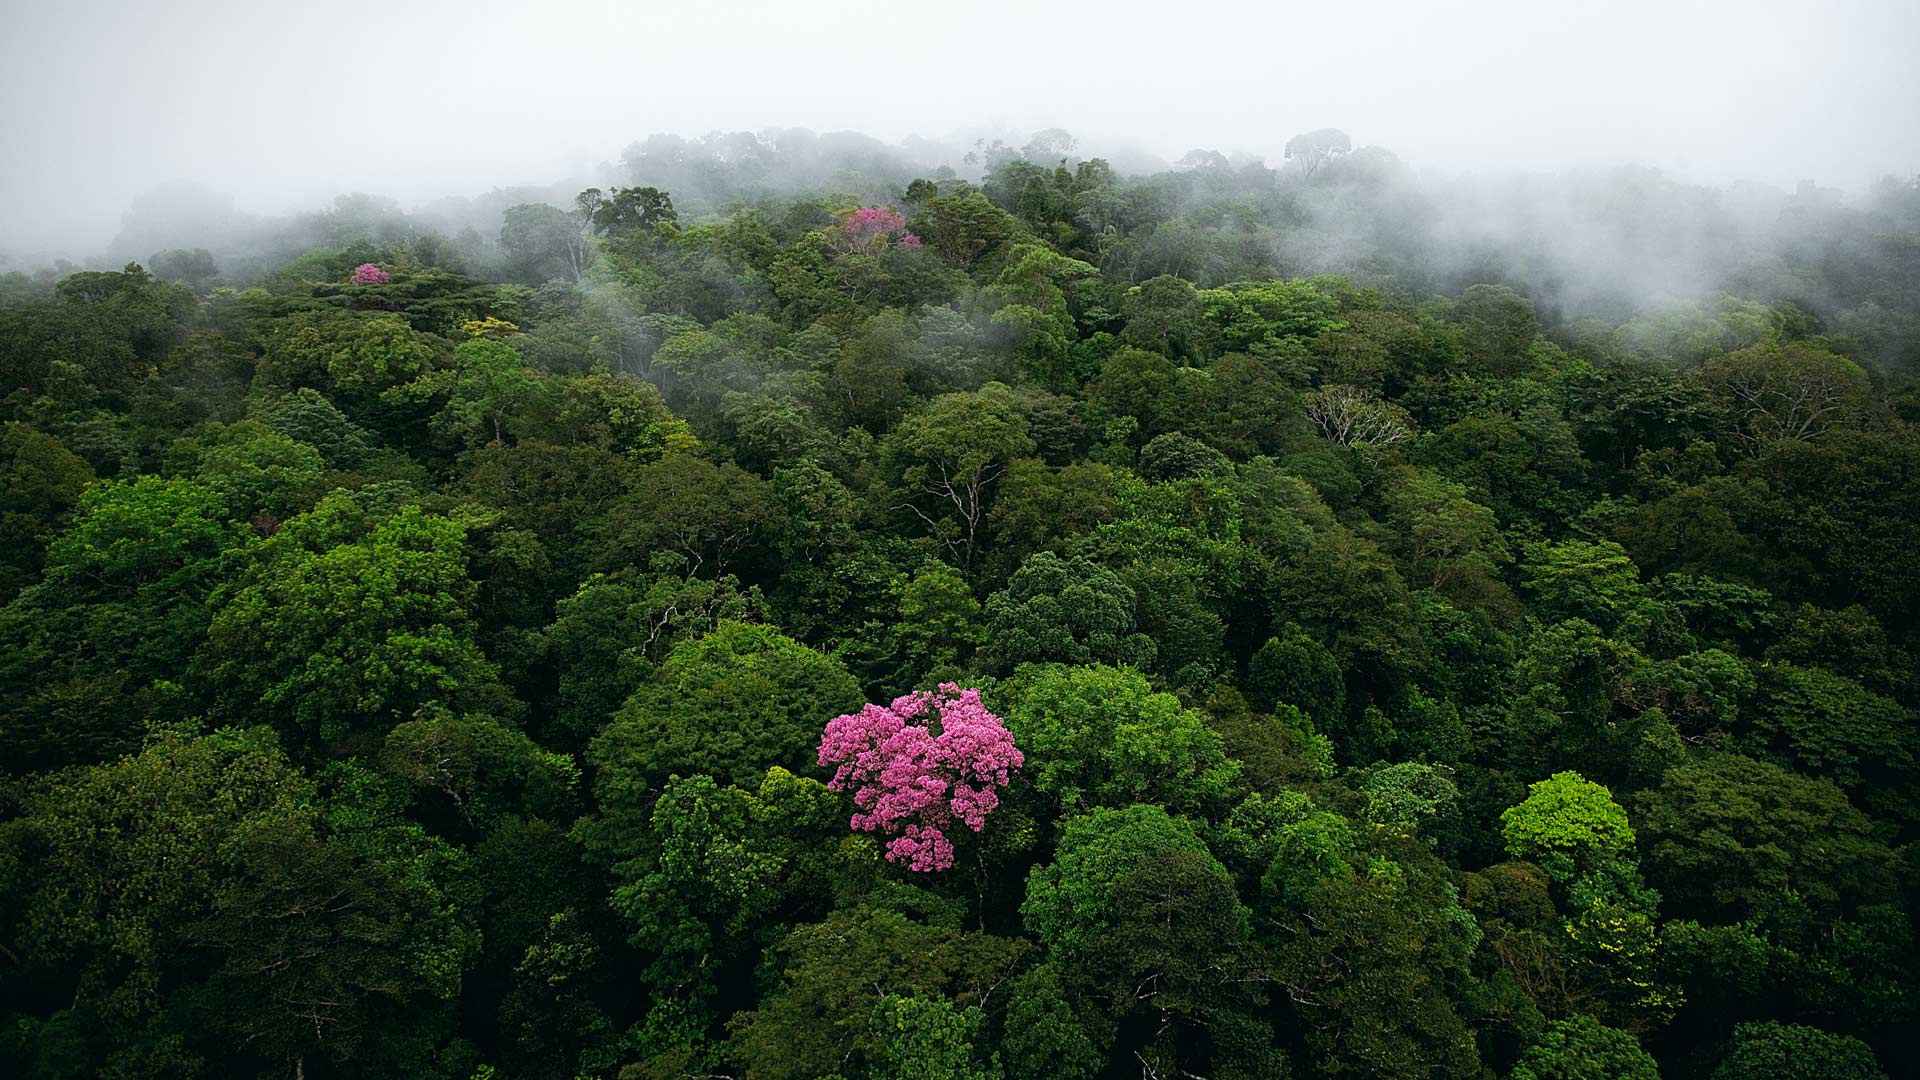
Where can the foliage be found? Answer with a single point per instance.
(1306, 637)
(276, 933)
(729, 704)
(686, 506)
(1145, 922)
(928, 1039)
(1293, 669)
(1786, 392)
(347, 621)
(1726, 831)
(480, 395)
(98, 649)
(1567, 821)
(612, 634)
(949, 456)
(815, 1020)
(43, 483)
(1581, 1048)
(1100, 736)
(1067, 611)
(1769, 1051)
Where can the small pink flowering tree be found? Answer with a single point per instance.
(912, 780)
(872, 228)
(369, 274)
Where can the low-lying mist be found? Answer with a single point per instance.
(1602, 244)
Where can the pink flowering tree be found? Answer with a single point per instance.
(917, 766)
(369, 274)
(872, 228)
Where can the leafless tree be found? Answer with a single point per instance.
(1351, 416)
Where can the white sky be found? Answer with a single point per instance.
(287, 104)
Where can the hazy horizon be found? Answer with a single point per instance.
(284, 106)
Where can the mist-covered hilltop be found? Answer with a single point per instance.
(1624, 253)
(792, 605)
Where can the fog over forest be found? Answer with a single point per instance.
(854, 541)
(284, 106)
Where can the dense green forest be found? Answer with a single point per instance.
(791, 615)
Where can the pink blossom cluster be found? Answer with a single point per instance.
(369, 274)
(870, 228)
(911, 783)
